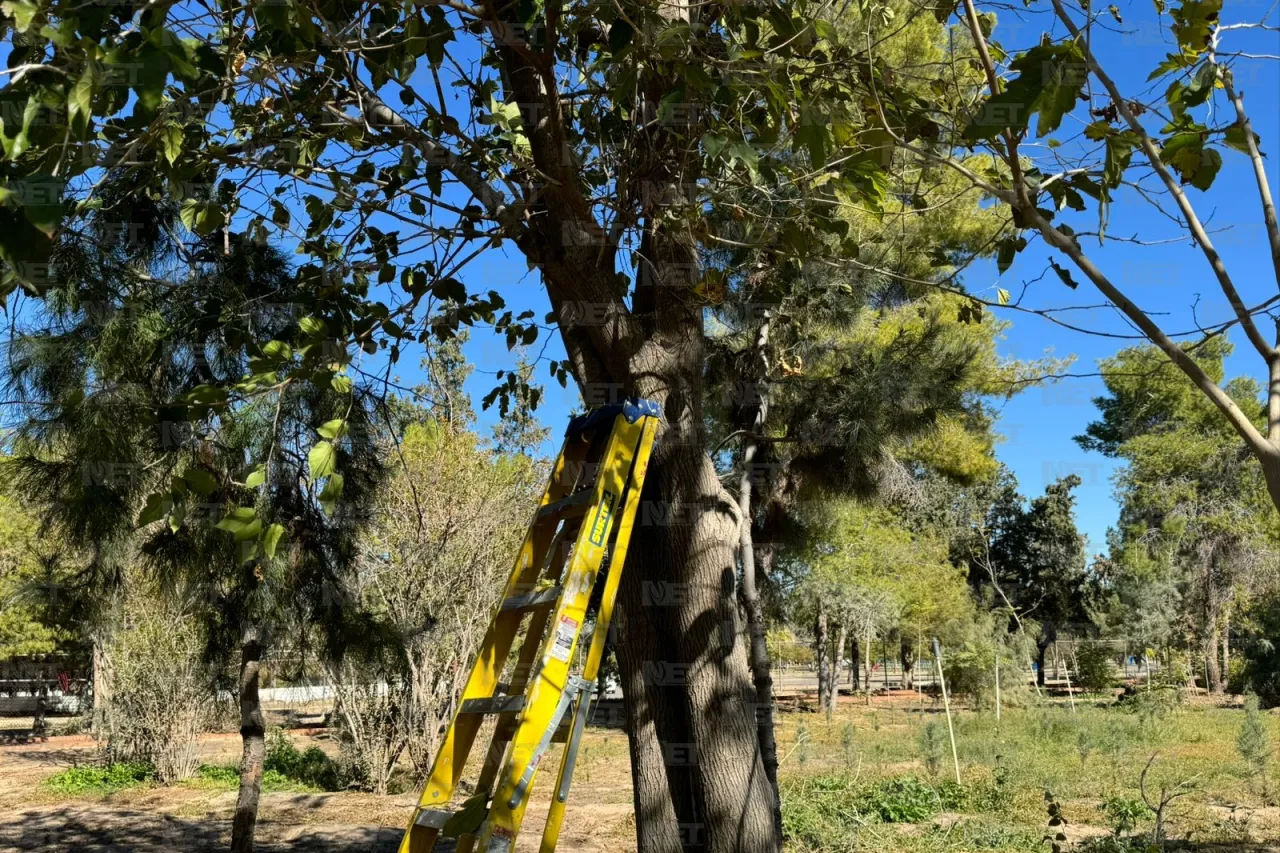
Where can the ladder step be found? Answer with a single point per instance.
(493, 705)
(561, 735)
(574, 504)
(532, 600)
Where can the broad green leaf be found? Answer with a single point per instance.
(23, 13)
(171, 139)
(201, 217)
(333, 429)
(1050, 77)
(271, 539)
(80, 101)
(1193, 23)
(322, 460)
(157, 507)
(200, 481)
(330, 493)
(256, 478)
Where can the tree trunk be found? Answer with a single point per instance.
(1213, 670)
(1226, 650)
(907, 654)
(837, 658)
(761, 676)
(855, 665)
(869, 664)
(253, 739)
(699, 777)
(820, 643)
(1042, 647)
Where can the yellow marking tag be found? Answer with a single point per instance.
(603, 513)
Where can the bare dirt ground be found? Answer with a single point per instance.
(154, 819)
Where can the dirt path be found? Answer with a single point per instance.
(155, 819)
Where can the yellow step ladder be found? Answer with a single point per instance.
(589, 505)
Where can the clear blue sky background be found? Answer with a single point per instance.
(1038, 425)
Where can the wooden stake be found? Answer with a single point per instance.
(946, 703)
(997, 687)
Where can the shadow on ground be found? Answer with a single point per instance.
(123, 831)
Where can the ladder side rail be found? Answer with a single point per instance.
(599, 638)
(512, 796)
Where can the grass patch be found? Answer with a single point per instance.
(99, 780)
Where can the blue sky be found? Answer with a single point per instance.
(1170, 278)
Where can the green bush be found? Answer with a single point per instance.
(284, 768)
(904, 800)
(311, 768)
(100, 780)
(1262, 654)
(1095, 667)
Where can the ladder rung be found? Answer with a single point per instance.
(532, 600)
(561, 735)
(433, 818)
(493, 705)
(574, 504)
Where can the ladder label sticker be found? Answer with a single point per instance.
(603, 514)
(565, 634)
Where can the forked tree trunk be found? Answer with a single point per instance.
(253, 742)
(837, 658)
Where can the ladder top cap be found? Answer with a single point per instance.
(633, 409)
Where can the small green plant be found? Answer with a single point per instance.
(100, 780)
(1056, 837)
(1254, 744)
(1084, 745)
(933, 744)
(847, 743)
(904, 800)
(1124, 813)
(802, 744)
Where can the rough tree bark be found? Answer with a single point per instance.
(837, 657)
(253, 741)
(753, 400)
(855, 666)
(821, 657)
(907, 654)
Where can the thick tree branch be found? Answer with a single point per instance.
(1260, 343)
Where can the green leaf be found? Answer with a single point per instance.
(41, 197)
(341, 384)
(1193, 23)
(311, 326)
(333, 429)
(1195, 163)
(177, 516)
(256, 477)
(157, 507)
(1235, 139)
(200, 481)
(330, 493)
(271, 539)
(1007, 249)
(80, 101)
(23, 13)
(1002, 296)
(201, 217)
(322, 460)
(171, 138)
(1050, 77)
